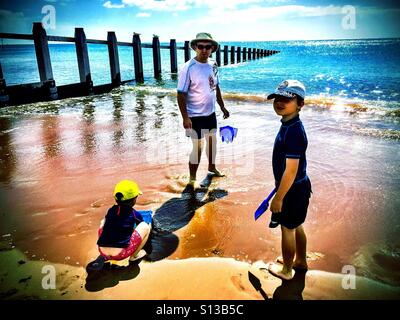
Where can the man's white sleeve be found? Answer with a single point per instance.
(183, 79)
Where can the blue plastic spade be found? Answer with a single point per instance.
(264, 205)
(228, 133)
(147, 215)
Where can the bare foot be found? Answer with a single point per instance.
(216, 172)
(140, 255)
(297, 265)
(194, 184)
(277, 271)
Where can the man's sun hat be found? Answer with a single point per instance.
(204, 36)
(128, 188)
(289, 89)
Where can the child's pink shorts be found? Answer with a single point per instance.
(134, 243)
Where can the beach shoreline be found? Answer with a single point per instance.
(187, 279)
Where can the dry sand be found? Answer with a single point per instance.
(193, 278)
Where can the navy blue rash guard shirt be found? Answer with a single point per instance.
(291, 142)
(119, 226)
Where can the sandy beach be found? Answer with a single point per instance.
(186, 279)
(60, 161)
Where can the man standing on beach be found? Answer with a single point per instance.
(198, 90)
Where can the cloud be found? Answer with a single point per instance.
(182, 5)
(61, 2)
(109, 5)
(257, 13)
(11, 21)
(143, 15)
(6, 14)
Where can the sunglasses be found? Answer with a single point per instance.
(201, 46)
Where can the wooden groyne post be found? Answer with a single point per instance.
(173, 56)
(137, 57)
(46, 89)
(4, 98)
(187, 51)
(225, 55)
(218, 55)
(43, 60)
(156, 57)
(83, 60)
(113, 58)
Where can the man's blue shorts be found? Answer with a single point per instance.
(202, 125)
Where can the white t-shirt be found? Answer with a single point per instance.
(199, 81)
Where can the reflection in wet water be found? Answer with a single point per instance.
(7, 153)
(140, 130)
(159, 112)
(118, 133)
(51, 137)
(88, 131)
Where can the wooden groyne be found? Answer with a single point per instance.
(47, 89)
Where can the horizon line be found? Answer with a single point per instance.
(330, 39)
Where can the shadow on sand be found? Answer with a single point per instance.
(175, 214)
(288, 290)
(102, 275)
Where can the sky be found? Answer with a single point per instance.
(226, 20)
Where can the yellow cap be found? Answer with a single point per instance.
(128, 188)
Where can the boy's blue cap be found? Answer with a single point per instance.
(289, 89)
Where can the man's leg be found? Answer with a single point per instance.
(195, 157)
(211, 151)
(301, 248)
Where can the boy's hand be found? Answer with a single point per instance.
(276, 205)
(226, 112)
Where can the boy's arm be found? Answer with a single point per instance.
(187, 124)
(102, 223)
(286, 182)
(221, 103)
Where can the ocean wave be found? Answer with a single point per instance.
(389, 134)
(322, 102)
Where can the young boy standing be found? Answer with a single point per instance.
(290, 203)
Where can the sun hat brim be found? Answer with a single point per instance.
(281, 93)
(213, 42)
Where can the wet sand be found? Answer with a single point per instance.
(60, 161)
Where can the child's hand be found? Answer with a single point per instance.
(276, 205)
